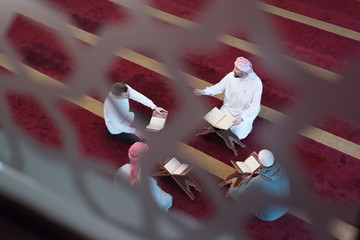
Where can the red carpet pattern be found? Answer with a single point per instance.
(43, 51)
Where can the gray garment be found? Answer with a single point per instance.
(271, 181)
(162, 198)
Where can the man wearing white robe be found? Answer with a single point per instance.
(243, 89)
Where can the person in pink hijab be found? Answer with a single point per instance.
(136, 151)
(243, 89)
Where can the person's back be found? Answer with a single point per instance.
(271, 181)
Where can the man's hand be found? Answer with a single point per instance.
(247, 176)
(140, 134)
(237, 120)
(198, 92)
(160, 110)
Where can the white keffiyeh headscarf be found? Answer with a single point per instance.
(243, 64)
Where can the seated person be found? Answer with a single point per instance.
(243, 89)
(272, 181)
(163, 199)
(119, 120)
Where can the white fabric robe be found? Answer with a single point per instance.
(242, 98)
(115, 122)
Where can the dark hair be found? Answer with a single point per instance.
(118, 89)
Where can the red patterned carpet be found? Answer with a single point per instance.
(333, 175)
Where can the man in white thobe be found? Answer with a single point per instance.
(120, 122)
(243, 89)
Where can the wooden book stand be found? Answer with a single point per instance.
(235, 179)
(184, 181)
(229, 137)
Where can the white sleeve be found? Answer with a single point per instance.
(136, 96)
(217, 88)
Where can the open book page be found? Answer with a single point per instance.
(225, 123)
(156, 123)
(252, 164)
(172, 165)
(181, 169)
(219, 119)
(214, 116)
(243, 167)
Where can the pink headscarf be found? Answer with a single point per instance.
(135, 152)
(243, 64)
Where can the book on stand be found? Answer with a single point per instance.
(219, 119)
(174, 167)
(157, 122)
(250, 165)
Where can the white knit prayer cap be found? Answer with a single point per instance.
(266, 158)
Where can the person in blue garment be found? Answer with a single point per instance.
(163, 199)
(272, 181)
